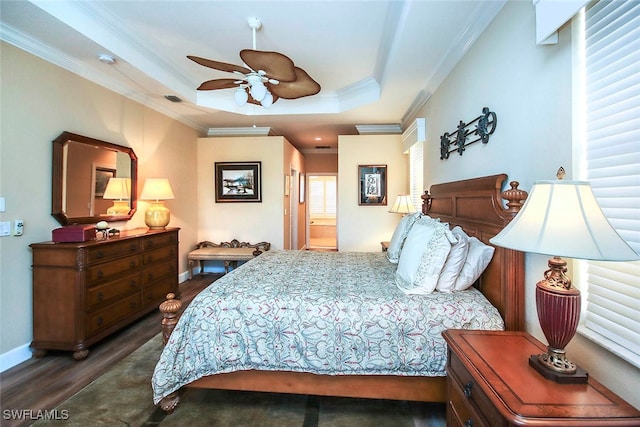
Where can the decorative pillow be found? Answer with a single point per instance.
(399, 236)
(423, 255)
(455, 261)
(477, 260)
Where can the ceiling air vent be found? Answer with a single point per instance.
(173, 98)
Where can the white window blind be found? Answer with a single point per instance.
(611, 162)
(322, 196)
(416, 173)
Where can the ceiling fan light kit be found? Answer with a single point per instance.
(269, 76)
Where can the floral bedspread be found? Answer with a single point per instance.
(334, 313)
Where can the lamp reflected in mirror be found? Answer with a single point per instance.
(118, 190)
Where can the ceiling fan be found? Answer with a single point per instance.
(267, 76)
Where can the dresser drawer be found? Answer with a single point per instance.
(471, 393)
(112, 250)
(111, 269)
(113, 313)
(159, 271)
(158, 255)
(104, 294)
(169, 239)
(156, 294)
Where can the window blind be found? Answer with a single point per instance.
(322, 196)
(416, 173)
(612, 165)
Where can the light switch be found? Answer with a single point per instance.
(2, 207)
(5, 228)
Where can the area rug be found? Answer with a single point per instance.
(122, 397)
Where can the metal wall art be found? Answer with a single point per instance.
(464, 135)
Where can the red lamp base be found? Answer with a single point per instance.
(558, 305)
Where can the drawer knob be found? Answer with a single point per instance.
(99, 254)
(132, 264)
(99, 321)
(132, 283)
(100, 296)
(468, 423)
(100, 274)
(467, 389)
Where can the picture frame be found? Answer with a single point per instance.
(238, 181)
(372, 184)
(102, 175)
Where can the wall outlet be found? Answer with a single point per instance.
(18, 227)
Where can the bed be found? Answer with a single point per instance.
(204, 351)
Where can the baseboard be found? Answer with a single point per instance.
(14, 357)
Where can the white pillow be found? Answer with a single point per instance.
(399, 236)
(477, 260)
(455, 261)
(423, 255)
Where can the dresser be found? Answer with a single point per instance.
(83, 292)
(490, 383)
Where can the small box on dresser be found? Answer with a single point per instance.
(490, 383)
(85, 291)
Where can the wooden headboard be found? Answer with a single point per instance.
(476, 205)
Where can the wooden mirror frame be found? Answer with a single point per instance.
(57, 190)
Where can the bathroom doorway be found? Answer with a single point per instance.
(323, 199)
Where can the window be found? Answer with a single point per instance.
(608, 156)
(416, 166)
(322, 196)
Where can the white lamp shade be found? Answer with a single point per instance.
(156, 189)
(118, 189)
(563, 218)
(258, 91)
(267, 101)
(403, 205)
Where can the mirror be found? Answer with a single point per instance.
(82, 167)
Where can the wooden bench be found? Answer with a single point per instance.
(228, 252)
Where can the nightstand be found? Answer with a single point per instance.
(490, 383)
(385, 246)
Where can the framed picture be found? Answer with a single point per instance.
(301, 188)
(238, 181)
(102, 176)
(372, 180)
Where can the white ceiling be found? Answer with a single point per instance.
(377, 61)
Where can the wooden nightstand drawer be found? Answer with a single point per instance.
(506, 391)
(159, 255)
(460, 412)
(470, 391)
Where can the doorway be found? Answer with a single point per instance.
(323, 199)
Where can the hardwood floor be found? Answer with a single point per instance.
(42, 384)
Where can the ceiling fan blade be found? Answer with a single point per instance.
(276, 65)
(218, 84)
(217, 65)
(304, 85)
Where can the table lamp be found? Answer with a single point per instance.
(157, 190)
(403, 205)
(118, 190)
(562, 218)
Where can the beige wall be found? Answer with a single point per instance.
(362, 228)
(529, 88)
(252, 222)
(39, 101)
(321, 163)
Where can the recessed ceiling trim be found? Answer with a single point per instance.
(379, 129)
(239, 131)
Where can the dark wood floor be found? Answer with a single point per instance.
(42, 384)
